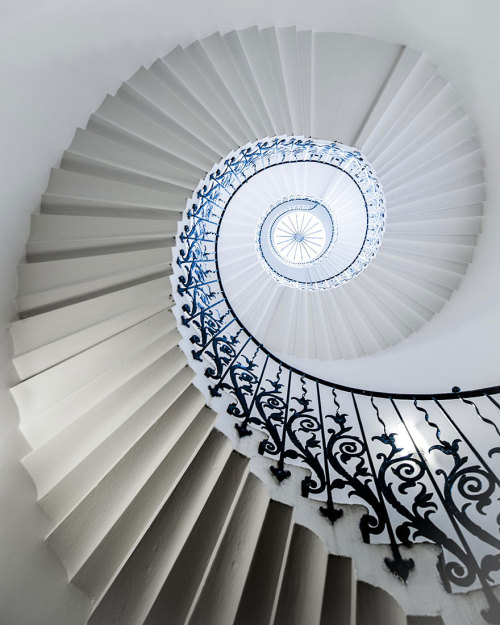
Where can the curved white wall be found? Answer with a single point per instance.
(59, 59)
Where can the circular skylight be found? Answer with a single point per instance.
(298, 237)
(294, 235)
(299, 231)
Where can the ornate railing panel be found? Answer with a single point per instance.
(424, 466)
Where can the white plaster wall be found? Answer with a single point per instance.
(57, 61)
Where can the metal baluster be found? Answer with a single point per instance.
(214, 390)
(197, 260)
(242, 428)
(329, 511)
(199, 285)
(492, 615)
(186, 320)
(399, 566)
(279, 471)
(494, 477)
(196, 354)
(489, 421)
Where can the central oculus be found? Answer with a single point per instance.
(310, 213)
(297, 230)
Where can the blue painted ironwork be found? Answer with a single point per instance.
(221, 184)
(422, 472)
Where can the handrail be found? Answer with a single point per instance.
(421, 472)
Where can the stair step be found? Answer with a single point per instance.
(121, 122)
(103, 361)
(70, 192)
(339, 596)
(43, 340)
(164, 100)
(215, 46)
(226, 574)
(237, 52)
(51, 284)
(338, 74)
(301, 595)
(94, 155)
(224, 107)
(179, 590)
(261, 589)
(261, 51)
(163, 420)
(136, 404)
(376, 607)
(103, 565)
(132, 591)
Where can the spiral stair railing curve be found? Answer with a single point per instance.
(422, 464)
(118, 432)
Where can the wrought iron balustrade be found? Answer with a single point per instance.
(425, 466)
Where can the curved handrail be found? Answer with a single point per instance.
(421, 472)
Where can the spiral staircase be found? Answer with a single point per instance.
(160, 512)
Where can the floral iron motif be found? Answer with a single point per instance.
(421, 470)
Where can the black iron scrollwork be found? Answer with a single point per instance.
(435, 488)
